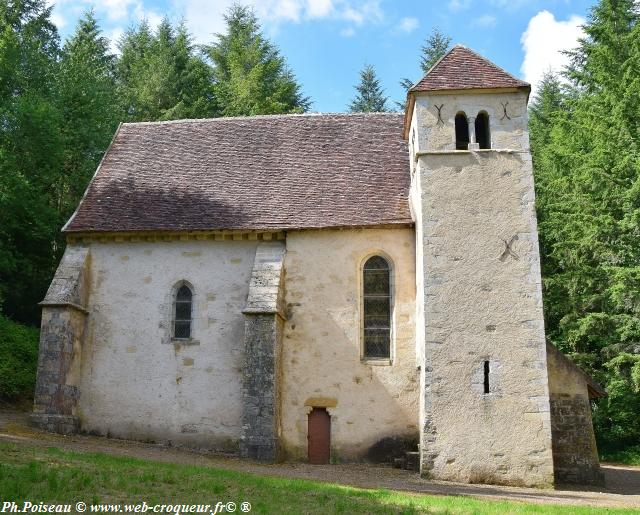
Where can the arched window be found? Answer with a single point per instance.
(377, 308)
(483, 138)
(182, 313)
(462, 132)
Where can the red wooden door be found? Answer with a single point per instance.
(319, 436)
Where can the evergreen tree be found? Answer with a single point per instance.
(370, 97)
(86, 94)
(251, 77)
(434, 47)
(587, 165)
(30, 155)
(161, 76)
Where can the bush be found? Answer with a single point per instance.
(18, 360)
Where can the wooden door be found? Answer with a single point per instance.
(319, 436)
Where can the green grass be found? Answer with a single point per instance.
(628, 456)
(53, 475)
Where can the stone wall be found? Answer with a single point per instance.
(61, 342)
(139, 383)
(322, 363)
(482, 298)
(575, 455)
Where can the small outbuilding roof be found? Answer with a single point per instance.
(250, 173)
(462, 68)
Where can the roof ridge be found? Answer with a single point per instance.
(464, 68)
(262, 117)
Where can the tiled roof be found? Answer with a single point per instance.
(462, 68)
(263, 172)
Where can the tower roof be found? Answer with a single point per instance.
(462, 68)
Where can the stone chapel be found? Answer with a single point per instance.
(322, 287)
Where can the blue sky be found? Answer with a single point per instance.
(326, 42)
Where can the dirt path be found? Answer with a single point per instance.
(623, 482)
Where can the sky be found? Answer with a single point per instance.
(327, 42)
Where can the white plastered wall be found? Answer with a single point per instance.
(321, 355)
(136, 382)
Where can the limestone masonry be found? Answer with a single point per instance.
(344, 287)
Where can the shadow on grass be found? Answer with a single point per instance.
(53, 475)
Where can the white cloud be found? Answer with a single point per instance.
(408, 25)
(205, 18)
(153, 18)
(486, 20)
(543, 43)
(58, 19)
(114, 37)
(459, 5)
(348, 32)
(116, 10)
(319, 8)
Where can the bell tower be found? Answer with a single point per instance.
(481, 345)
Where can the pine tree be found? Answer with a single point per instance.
(434, 47)
(162, 77)
(251, 77)
(370, 97)
(587, 167)
(86, 94)
(30, 155)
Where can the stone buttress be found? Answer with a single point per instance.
(64, 313)
(264, 319)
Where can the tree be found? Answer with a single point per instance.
(250, 75)
(87, 99)
(30, 155)
(162, 77)
(435, 46)
(370, 97)
(586, 147)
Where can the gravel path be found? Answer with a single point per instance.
(622, 482)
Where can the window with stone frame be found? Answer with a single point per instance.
(182, 313)
(376, 308)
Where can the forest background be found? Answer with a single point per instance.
(60, 104)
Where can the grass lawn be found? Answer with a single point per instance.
(53, 475)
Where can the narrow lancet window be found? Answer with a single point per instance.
(182, 313)
(462, 132)
(483, 137)
(377, 308)
(486, 377)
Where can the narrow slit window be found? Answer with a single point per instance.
(182, 313)
(377, 308)
(462, 132)
(486, 377)
(482, 130)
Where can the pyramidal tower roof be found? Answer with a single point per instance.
(462, 68)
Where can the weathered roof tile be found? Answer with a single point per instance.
(462, 68)
(263, 172)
